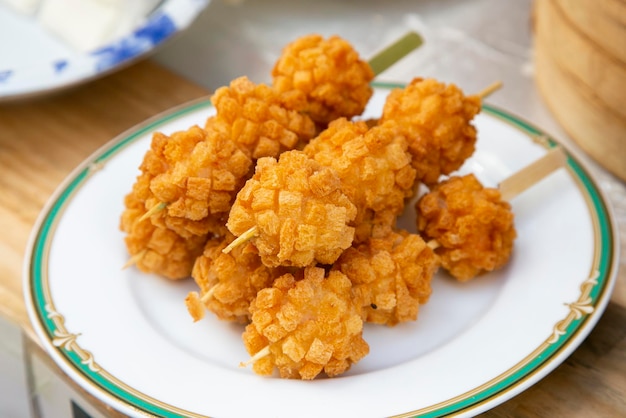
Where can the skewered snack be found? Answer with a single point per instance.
(259, 124)
(197, 189)
(437, 122)
(334, 204)
(472, 226)
(156, 249)
(305, 325)
(323, 78)
(296, 210)
(228, 282)
(373, 165)
(390, 276)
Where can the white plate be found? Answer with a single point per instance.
(127, 338)
(33, 61)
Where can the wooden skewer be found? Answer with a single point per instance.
(525, 178)
(154, 209)
(490, 89)
(259, 355)
(246, 236)
(532, 173)
(135, 258)
(394, 52)
(208, 295)
(433, 244)
(196, 305)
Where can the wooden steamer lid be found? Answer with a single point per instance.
(580, 70)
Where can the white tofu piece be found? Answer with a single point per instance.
(89, 24)
(27, 7)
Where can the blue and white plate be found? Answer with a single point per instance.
(34, 62)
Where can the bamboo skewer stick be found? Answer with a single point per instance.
(246, 236)
(208, 295)
(489, 90)
(135, 258)
(264, 352)
(154, 209)
(394, 52)
(532, 173)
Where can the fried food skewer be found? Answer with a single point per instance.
(326, 79)
(470, 227)
(436, 120)
(305, 324)
(301, 214)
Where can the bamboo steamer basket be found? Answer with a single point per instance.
(580, 70)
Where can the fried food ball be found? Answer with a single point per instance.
(437, 121)
(157, 250)
(300, 214)
(391, 276)
(305, 326)
(373, 165)
(260, 125)
(472, 225)
(323, 78)
(228, 282)
(198, 188)
(154, 247)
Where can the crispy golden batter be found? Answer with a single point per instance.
(373, 165)
(155, 247)
(437, 122)
(260, 125)
(158, 250)
(324, 78)
(228, 282)
(301, 215)
(374, 225)
(391, 276)
(200, 186)
(472, 225)
(310, 325)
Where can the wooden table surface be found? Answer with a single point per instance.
(43, 140)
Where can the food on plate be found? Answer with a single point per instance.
(472, 226)
(391, 276)
(323, 78)
(159, 247)
(228, 282)
(283, 208)
(373, 166)
(259, 124)
(198, 187)
(303, 326)
(437, 121)
(297, 211)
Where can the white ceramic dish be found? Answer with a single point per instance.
(127, 338)
(35, 62)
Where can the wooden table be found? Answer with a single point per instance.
(42, 140)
